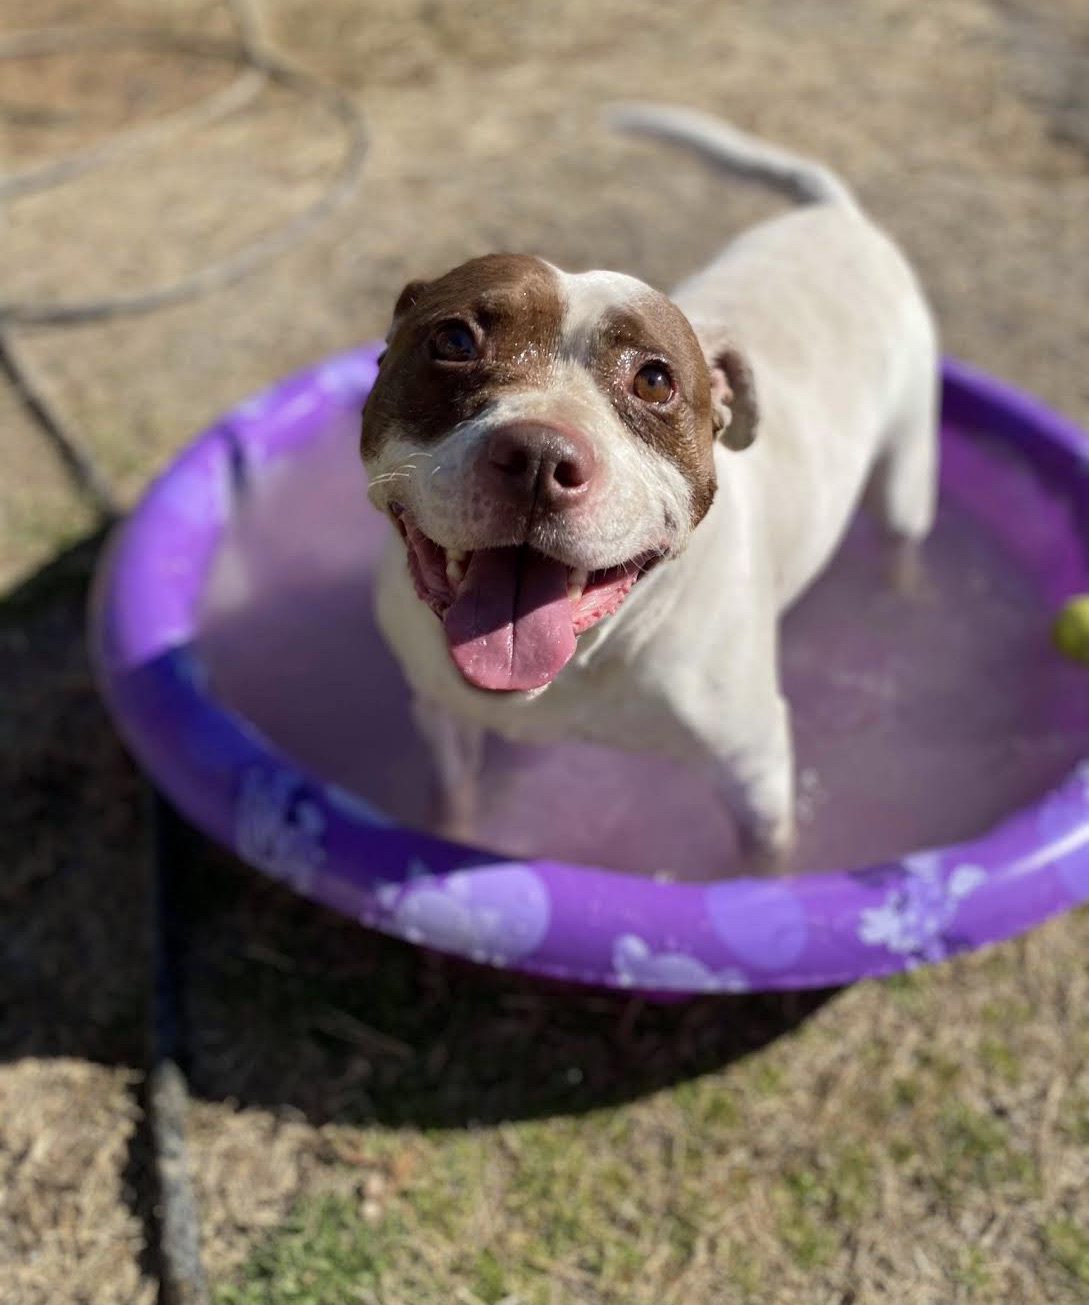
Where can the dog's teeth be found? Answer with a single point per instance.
(576, 583)
(455, 569)
(456, 555)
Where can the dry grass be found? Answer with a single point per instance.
(63, 1184)
(373, 1123)
(475, 1137)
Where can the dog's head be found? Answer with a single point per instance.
(541, 440)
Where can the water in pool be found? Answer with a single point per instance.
(916, 724)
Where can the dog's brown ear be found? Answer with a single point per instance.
(406, 300)
(735, 413)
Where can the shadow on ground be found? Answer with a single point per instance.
(285, 1003)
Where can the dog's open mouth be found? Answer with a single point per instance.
(511, 615)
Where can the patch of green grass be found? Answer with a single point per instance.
(905, 1091)
(810, 1244)
(708, 1101)
(1000, 1058)
(907, 988)
(621, 1260)
(976, 1148)
(1068, 1245)
(545, 1189)
(974, 1136)
(852, 1181)
(943, 1070)
(323, 1253)
(327, 1251)
(902, 1149)
(487, 1278)
(1005, 1012)
(821, 1199)
(1074, 1119)
(747, 1273)
(971, 1272)
(840, 1186)
(765, 1077)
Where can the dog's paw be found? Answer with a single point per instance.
(769, 849)
(455, 816)
(454, 828)
(908, 573)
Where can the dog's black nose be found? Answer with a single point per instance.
(547, 464)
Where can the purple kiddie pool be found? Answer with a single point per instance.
(941, 743)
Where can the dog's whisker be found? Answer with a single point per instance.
(403, 470)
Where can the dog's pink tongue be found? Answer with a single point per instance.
(510, 626)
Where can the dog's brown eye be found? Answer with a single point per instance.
(453, 342)
(653, 384)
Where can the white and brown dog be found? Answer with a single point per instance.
(585, 552)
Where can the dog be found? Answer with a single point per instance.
(605, 498)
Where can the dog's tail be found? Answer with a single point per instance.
(802, 179)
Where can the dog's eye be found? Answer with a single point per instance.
(453, 342)
(653, 384)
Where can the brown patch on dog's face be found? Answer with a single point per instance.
(633, 347)
(515, 320)
(512, 307)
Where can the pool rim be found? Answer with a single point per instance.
(576, 922)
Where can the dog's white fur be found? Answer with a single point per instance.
(844, 354)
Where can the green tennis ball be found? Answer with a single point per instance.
(1071, 629)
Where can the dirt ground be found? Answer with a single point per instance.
(369, 1123)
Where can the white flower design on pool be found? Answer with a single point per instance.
(278, 827)
(495, 914)
(914, 919)
(637, 966)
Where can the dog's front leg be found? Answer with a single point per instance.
(753, 772)
(457, 751)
